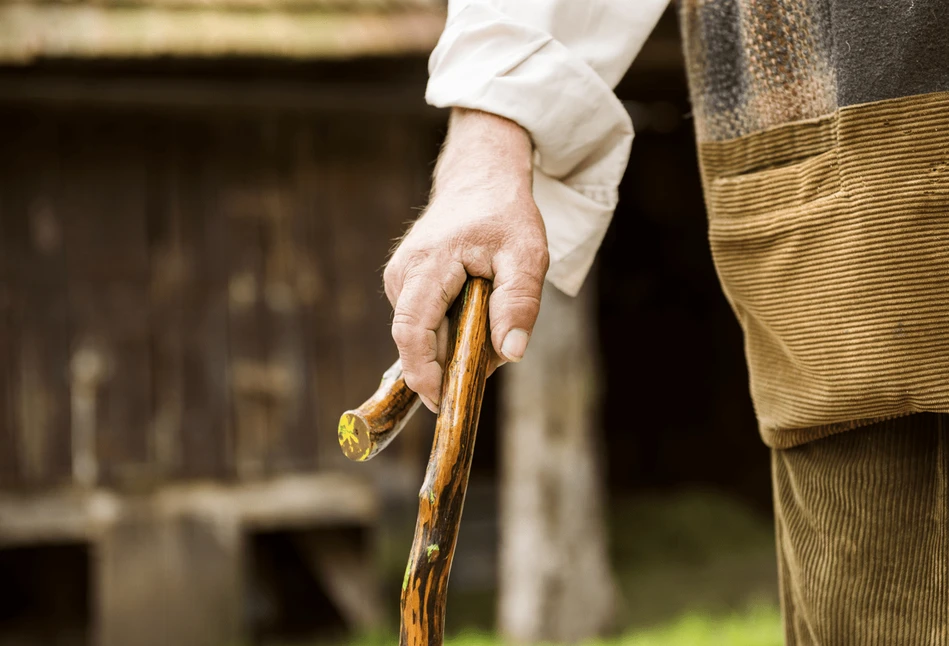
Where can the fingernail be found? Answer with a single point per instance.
(432, 406)
(515, 344)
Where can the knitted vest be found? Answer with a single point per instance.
(823, 133)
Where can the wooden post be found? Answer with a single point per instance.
(169, 580)
(555, 578)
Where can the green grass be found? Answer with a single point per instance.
(694, 568)
(758, 626)
(690, 554)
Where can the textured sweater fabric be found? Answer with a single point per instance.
(823, 130)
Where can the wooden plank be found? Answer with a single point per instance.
(54, 514)
(240, 202)
(207, 443)
(207, 425)
(268, 203)
(70, 514)
(189, 305)
(33, 30)
(320, 313)
(370, 191)
(361, 201)
(373, 87)
(38, 387)
(104, 197)
(187, 585)
(171, 273)
(188, 237)
(292, 287)
(273, 280)
(283, 5)
(8, 432)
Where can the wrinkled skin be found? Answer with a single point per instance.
(481, 220)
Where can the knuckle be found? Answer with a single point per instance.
(411, 254)
(527, 254)
(418, 380)
(392, 271)
(391, 284)
(416, 256)
(524, 280)
(426, 268)
(412, 380)
(405, 334)
(522, 299)
(536, 255)
(405, 317)
(519, 297)
(539, 259)
(478, 259)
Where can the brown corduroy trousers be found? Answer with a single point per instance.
(862, 523)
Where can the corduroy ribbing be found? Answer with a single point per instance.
(862, 523)
(831, 239)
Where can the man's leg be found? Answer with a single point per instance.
(862, 523)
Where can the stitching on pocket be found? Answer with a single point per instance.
(784, 187)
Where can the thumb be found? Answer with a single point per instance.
(515, 302)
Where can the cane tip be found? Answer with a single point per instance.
(354, 437)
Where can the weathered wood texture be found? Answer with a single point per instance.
(442, 497)
(37, 307)
(187, 295)
(556, 584)
(297, 30)
(366, 430)
(186, 569)
(168, 566)
(290, 501)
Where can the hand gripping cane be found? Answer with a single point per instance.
(365, 431)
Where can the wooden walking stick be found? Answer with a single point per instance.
(363, 432)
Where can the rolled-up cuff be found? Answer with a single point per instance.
(575, 225)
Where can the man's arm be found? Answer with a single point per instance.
(528, 176)
(482, 221)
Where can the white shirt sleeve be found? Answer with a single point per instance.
(551, 66)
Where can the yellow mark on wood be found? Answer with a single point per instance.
(405, 579)
(432, 552)
(347, 432)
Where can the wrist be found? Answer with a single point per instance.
(480, 146)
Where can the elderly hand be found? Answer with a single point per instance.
(481, 221)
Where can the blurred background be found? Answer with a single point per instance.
(196, 200)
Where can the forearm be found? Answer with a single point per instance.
(549, 66)
(483, 148)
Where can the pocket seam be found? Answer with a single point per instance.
(757, 194)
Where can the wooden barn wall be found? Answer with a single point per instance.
(196, 295)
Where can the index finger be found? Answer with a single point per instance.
(427, 293)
